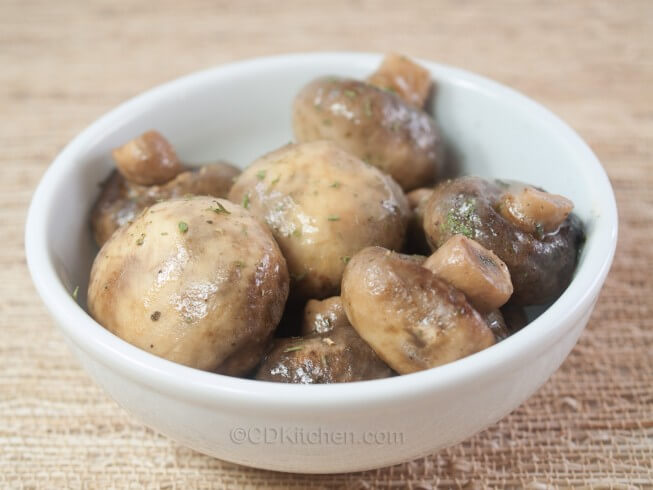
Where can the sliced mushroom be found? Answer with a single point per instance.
(148, 160)
(411, 318)
(404, 77)
(474, 270)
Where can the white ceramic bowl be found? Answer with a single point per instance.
(238, 112)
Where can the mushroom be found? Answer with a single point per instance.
(497, 324)
(323, 316)
(375, 125)
(533, 210)
(404, 77)
(323, 205)
(148, 160)
(337, 357)
(540, 264)
(411, 318)
(474, 270)
(198, 281)
(120, 201)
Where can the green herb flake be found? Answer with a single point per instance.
(219, 208)
(326, 122)
(297, 232)
(140, 239)
(183, 226)
(293, 348)
(460, 220)
(367, 107)
(335, 185)
(350, 93)
(239, 263)
(334, 217)
(246, 201)
(345, 259)
(275, 180)
(260, 175)
(75, 293)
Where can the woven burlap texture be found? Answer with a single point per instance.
(65, 63)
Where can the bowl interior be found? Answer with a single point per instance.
(241, 111)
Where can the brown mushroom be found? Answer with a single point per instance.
(148, 160)
(411, 318)
(474, 270)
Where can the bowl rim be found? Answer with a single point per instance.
(181, 381)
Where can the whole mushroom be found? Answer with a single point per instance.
(411, 318)
(148, 159)
(323, 205)
(338, 356)
(374, 124)
(540, 258)
(198, 281)
(120, 200)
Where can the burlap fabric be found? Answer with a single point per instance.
(62, 64)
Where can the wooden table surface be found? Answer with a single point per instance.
(63, 64)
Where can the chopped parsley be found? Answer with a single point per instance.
(246, 201)
(293, 348)
(260, 175)
(219, 208)
(334, 217)
(345, 259)
(75, 293)
(367, 107)
(140, 239)
(183, 227)
(350, 93)
(335, 185)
